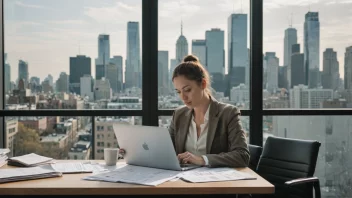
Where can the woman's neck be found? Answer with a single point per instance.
(202, 108)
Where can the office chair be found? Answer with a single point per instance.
(289, 164)
(255, 152)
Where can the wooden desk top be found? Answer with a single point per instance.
(73, 184)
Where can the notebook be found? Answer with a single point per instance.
(29, 160)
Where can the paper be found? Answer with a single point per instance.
(4, 151)
(31, 159)
(206, 174)
(18, 174)
(136, 175)
(76, 167)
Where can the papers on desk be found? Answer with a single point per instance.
(29, 160)
(77, 167)
(3, 156)
(20, 174)
(206, 174)
(135, 175)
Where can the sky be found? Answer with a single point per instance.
(45, 33)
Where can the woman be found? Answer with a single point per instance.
(205, 132)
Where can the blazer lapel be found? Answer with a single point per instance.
(213, 123)
(185, 122)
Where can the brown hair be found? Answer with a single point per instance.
(191, 69)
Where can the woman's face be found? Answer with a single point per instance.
(190, 92)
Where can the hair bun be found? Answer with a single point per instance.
(191, 58)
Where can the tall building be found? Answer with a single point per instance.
(50, 79)
(118, 61)
(181, 47)
(133, 72)
(7, 75)
(163, 73)
(312, 48)
(79, 66)
(173, 64)
(111, 73)
(199, 49)
(87, 85)
(282, 78)
(272, 63)
(103, 55)
(62, 84)
(216, 58)
(289, 40)
(298, 72)
(23, 72)
(348, 68)
(237, 49)
(331, 76)
(102, 90)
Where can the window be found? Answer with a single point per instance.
(221, 44)
(98, 67)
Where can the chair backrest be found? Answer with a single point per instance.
(255, 152)
(285, 159)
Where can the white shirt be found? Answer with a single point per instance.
(194, 145)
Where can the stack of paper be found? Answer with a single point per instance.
(29, 160)
(135, 175)
(3, 156)
(206, 174)
(20, 174)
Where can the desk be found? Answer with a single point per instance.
(72, 184)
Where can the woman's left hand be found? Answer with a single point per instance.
(189, 158)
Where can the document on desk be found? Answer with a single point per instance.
(206, 174)
(136, 175)
(77, 167)
(20, 174)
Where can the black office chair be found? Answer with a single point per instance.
(289, 164)
(255, 152)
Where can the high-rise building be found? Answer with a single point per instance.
(62, 84)
(87, 85)
(303, 97)
(289, 40)
(181, 47)
(312, 48)
(216, 58)
(237, 47)
(331, 75)
(103, 55)
(199, 49)
(133, 72)
(111, 73)
(348, 68)
(7, 75)
(118, 61)
(163, 72)
(298, 72)
(272, 63)
(79, 66)
(173, 64)
(23, 72)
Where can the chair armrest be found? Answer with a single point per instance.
(314, 180)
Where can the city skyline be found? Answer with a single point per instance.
(29, 35)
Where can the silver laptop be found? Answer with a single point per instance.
(148, 146)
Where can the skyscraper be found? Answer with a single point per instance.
(7, 75)
(348, 68)
(312, 48)
(111, 74)
(103, 55)
(199, 49)
(272, 63)
(79, 66)
(163, 72)
(298, 72)
(117, 60)
(331, 76)
(181, 47)
(23, 72)
(216, 58)
(133, 72)
(62, 83)
(289, 40)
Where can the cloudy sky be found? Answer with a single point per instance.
(45, 33)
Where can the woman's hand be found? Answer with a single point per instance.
(189, 158)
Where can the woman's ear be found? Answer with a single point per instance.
(204, 84)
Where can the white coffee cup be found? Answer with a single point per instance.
(110, 156)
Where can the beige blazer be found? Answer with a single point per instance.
(226, 142)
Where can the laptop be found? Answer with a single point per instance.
(148, 146)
